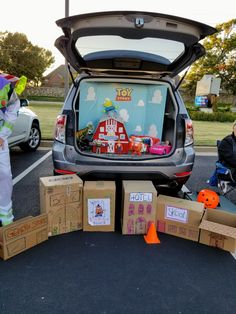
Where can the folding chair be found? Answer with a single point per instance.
(225, 179)
(222, 177)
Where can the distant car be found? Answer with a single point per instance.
(126, 89)
(26, 132)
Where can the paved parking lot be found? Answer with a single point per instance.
(83, 272)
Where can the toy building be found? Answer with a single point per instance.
(110, 136)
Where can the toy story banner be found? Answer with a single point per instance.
(141, 107)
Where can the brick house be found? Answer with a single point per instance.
(56, 77)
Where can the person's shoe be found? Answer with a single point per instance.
(6, 219)
(5, 223)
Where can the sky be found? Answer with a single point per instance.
(36, 19)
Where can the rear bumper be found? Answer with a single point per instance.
(162, 170)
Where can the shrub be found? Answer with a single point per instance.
(44, 98)
(215, 116)
(223, 107)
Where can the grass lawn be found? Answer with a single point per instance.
(47, 114)
(205, 133)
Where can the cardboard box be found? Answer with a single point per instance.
(139, 201)
(61, 198)
(99, 206)
(218, 229)
(179, 217)
(22, 235)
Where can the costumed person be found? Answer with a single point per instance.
(9, 106)
(227, 151)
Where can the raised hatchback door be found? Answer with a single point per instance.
(131, 41)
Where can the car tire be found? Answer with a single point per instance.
(169, 190)
(175, 190)
(34, 139)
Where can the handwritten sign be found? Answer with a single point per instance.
(140, 197)
(176, 214)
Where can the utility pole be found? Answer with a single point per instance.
(66, 74)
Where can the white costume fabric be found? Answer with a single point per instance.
(8, 116)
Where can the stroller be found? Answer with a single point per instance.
(222, 177)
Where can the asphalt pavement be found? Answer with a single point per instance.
(87, 272)
(106, 272)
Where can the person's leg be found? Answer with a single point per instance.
(6, 216)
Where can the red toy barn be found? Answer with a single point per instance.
(110, 137)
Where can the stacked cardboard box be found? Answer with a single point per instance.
(179, 217)
(61, 198)
(22, 235)
(99, 206)
(139, 201)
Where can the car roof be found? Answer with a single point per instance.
(131, 41)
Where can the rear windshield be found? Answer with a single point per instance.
(169, 49)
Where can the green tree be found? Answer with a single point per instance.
(220, 59)
(19, 56)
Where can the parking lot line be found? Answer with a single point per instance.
(29, 169)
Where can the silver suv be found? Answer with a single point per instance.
(124, 117)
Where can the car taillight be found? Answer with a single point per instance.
(60, 128)
(183, 174)
(188, 132)
(60, 171)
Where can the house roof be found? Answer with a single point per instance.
(60, 70)
(105, 118)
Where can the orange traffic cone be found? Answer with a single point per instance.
(151, 237)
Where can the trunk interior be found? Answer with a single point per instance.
(125, 118)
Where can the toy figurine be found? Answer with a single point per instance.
(109, 107)
(98, 146)
(119, 147)
(84, 137)
(80, 134)
(137, 146)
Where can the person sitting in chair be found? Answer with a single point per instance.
(227, 151)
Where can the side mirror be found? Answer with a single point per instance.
(24, 102)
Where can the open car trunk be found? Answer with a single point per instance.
(125, 118)
(140, 42)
